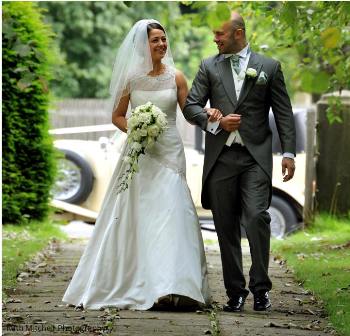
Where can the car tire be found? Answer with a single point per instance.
(83, 184)
(283, 217)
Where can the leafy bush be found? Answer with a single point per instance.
(28, 156)
(90, 32)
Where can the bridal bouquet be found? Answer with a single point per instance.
(144, 126)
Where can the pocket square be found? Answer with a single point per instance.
(262, 79)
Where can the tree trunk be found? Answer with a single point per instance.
(310, 169)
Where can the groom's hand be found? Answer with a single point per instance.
(214, 114)
(288, 169)
(230, 122)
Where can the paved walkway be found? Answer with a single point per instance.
(35, 307)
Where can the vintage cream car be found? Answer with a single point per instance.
(86, 167)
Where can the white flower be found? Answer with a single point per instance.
(127, 159)
(137, 110)
(147, 105)
(161, 121)
(145, 118)
(153, 131)
(143, 132)
(136, 146)
(132, 122)
(251, 72)
(157, 111)
(135, 136)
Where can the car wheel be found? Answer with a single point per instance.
(283, 217)
(74, 180)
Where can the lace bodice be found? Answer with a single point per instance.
(160, 90)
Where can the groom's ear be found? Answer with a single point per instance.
(239, 33)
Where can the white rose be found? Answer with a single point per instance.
(251, 72)
(153, 131)
(143, 132)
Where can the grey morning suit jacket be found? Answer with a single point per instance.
(214, 81)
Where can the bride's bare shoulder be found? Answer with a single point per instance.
(179, 77)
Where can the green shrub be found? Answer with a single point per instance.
(28, 156)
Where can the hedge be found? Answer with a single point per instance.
(28, 56)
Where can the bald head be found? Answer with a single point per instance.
(230, 37)
(237, 21)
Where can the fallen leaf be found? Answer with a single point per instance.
(301, 256)
(275, 325)
(14, 301)
(43, 264)
(316, 238)
(15, 317)
(39, 321)
(24, 275)
(292, 325)
(299, 301)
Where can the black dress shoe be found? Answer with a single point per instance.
(235, 304)
(262, 301)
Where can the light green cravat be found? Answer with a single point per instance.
(235, 63)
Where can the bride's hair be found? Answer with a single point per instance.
(154, 25)
(133, 61)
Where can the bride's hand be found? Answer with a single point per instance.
(214, 114)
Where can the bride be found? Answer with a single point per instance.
(146, 247)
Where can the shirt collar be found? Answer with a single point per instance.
(243, 53)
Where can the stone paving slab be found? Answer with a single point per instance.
(35, 307)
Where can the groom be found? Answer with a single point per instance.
(242, 86)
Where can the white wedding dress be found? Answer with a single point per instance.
(147, 242)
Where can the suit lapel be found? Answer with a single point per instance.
(225, 74)
(249, 82)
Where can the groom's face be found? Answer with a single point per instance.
(224, 38)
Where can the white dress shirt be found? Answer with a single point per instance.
(213, 127)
